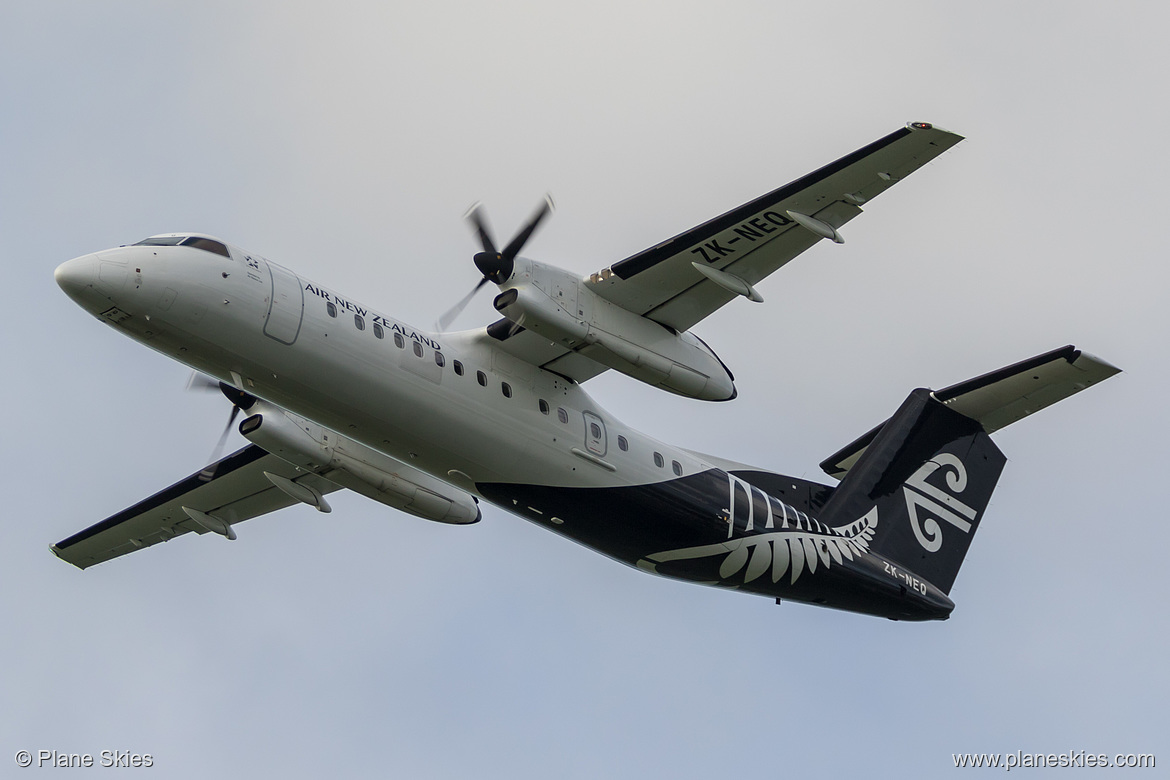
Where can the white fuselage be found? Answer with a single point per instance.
(217, 315)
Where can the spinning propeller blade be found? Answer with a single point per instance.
(496, 266)
(240, 400)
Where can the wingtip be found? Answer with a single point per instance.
(1103, 365)
(920, 126)
(58, 552)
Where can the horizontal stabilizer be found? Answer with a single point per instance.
(1002, 397)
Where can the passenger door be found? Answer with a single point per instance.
(286, 306)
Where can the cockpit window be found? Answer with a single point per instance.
(208, 244)
(161, 241)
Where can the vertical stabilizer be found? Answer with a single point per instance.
(929, 472)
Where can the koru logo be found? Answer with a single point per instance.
(925, 502)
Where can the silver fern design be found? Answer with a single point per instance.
(788, 552)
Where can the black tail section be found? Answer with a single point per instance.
(928, 474)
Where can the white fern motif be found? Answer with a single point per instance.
(782, 552)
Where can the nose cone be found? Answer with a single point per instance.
(76, 277)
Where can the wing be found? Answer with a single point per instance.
(1002, 397)
(239, 487)
(738, 248)
(752, 241)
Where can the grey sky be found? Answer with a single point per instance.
(345, 140)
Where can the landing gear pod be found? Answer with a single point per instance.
(637, 347)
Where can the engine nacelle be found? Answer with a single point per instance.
(353, 465)
(638, 347)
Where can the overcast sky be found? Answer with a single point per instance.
(345, 140)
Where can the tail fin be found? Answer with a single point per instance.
(928, 472)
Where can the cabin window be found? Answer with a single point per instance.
(543, 404)
(329, 307)
(418, 351)
(378, 332)
(676, 467)
(595, 431)
(398, 341)
(623, 445)
(506, 389)
(359, 322)
(562, 415)
(458, 368)
(481, 377)
(440, 361)
(658, 461)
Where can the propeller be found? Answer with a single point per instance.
(240, 400)
(496, 266)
